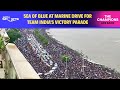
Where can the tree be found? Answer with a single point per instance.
(41, 38)
(45, 42)
(14, 34)
(2, 46)
(65, 58)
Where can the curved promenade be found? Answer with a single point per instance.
(78, 67)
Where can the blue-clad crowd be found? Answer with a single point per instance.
(78, 67)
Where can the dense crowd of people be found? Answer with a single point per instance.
(25, 47)
(78, 67)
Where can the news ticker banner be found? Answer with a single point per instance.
(59, 19)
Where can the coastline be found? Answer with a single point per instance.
(88, 59)
(77, 68)
(49, 34)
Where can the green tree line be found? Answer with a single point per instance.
(13, 34)
(41, 37)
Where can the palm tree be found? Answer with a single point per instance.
(65, 58)
(83, 62)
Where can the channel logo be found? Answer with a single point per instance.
(9, 19)
(107, 19)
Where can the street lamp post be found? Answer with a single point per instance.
(66, 68)
(66, 71)
(83, 66)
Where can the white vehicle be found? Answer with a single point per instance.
(55, 65)
(40, 73)
(54, 68)
(51, 63)
(51, 71)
